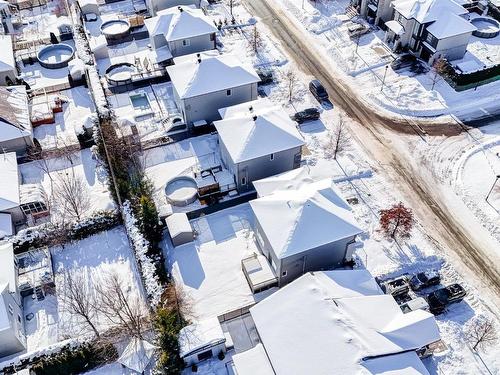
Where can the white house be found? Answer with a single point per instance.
(430, 28)
(336, 322)
(201, 340)
(306, 229)
(9, 188)
(8, 71)
(15, 124)
(12, 336)
(255, 145)
(154, 6)
(205, 82)
(181, 30)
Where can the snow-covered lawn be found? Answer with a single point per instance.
(49, 173)
(208, 270)
(77, 108)
(96, 256)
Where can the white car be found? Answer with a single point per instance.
(418, 303)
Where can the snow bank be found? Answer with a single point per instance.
(146, 264)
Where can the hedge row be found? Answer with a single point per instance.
(51, 234)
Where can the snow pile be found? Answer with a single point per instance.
(146, 264)
(100, 100)
(82, 45)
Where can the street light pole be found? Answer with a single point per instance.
(383, 80)
(494, 183)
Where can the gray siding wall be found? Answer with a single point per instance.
(197, 44)
(323, 257)
(263, 167)
(205, 107)
(10, 73)
(453, 48)
(17, 145)
(12, 340)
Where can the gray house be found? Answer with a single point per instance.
(205, 82)
(308, 229)
(181, 30)
(15, 124)
(258, 145)
(429, 28)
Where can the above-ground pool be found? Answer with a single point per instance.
(181, 191)
(55, 56)
(120, 73)
(486, 27)
(115, 29)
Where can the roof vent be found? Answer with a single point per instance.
(180, 9)
(250, 109)
(254, 118)
(199, 57)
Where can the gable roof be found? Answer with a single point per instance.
(14, 113)
(137, 355)
(191, 77)
(9, 183)
(448, 25)
(309, 217)
(321, 325)
(424, 11)
(251, 107)
(180, 22)
(248, 137)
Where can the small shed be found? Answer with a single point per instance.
(89, 6)
(179, 228)
(137, 355)
(200, 341)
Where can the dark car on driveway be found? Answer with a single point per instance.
(309, 114)
(318, 90)
(441, 298)
(424, 279)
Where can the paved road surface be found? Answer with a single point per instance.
(374, 133)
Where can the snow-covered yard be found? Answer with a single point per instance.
(94, 257)
(83, 171)
(208, 270)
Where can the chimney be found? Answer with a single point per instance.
(180, 9)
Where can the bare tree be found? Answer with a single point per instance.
(482, 333)
(72, 196)
(78, 298)
(438, 68)
(339, 139)
(119, 308)
(256, 39)
(291, 81)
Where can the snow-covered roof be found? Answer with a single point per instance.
(252, 107)
(395, 26)
(292, 180)
(7, 62)
(253, 361)
(205, 333)
(191, 77)
(182, 22)
(250, 136)
(31, 193)
(448, 25)
(14, 113)
(336, 322)
(9, 183)
(424, 11)
(177, 224)
(7, 270)
(137, 355)
(6, 228)
(309, 217)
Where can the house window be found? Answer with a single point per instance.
(205, 355)
(271, 157)
(212, 37)
(243, 180)
(283, 274)
(11, 310)
(19, 318)
(185, 42)
(431, 39)
(228, 92)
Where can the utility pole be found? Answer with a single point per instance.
(383, 80)
(494, 183)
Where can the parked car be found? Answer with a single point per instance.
(418, 303)
(266, 77)
(424, 279)
(439, 299)
(309, 114)
(396, 287)
(318, 90)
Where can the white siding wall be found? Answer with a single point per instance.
(453, 48)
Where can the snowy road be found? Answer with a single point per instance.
(446, 219)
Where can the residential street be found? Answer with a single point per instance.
(442, 216)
